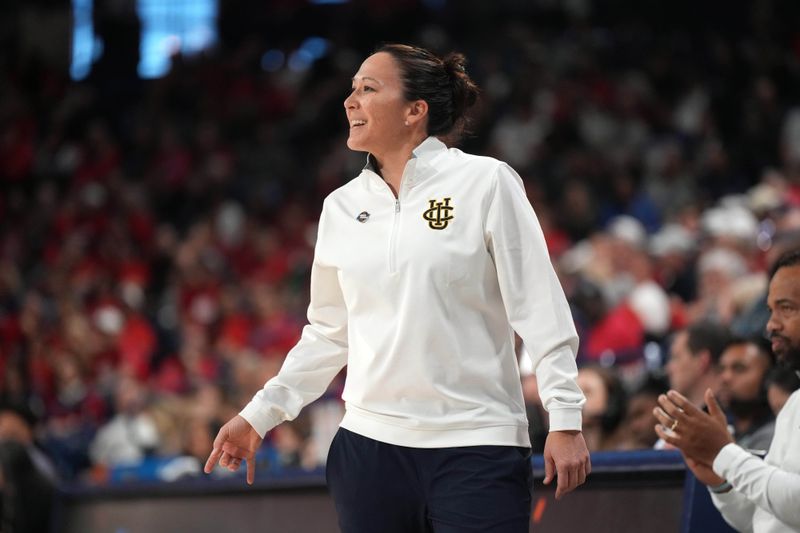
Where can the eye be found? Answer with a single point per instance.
(367, 88)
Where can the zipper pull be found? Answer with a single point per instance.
(397, 206)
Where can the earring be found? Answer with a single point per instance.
(406, 123)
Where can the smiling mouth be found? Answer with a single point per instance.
(357, 123)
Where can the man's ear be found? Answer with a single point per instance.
(416, 112)
(706, 361)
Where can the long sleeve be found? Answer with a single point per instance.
(736, 509)
(316, 359)
(533, 298)
(766, 486)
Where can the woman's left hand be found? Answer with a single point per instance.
(566, 455)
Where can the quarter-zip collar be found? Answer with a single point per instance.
(424, 154)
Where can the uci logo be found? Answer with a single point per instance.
(439, 214)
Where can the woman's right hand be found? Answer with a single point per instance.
(236, 441)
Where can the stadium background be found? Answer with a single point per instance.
(163, 163)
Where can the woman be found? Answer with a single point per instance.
(424, 267)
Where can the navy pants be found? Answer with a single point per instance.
(383, 488)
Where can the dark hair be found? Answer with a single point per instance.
(652, 385)
(617, 397)
(789, 259)
(20, 409)
(761, 343)
(706, 335)
(784, 377)
(443, 83)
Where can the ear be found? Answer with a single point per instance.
(704, 356)
(416, 112)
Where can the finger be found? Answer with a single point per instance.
(234, 463)
(668, 436)
(225, 460)
(670, 408)
(663, 417)
(212, 460)
(588, 466)
(714, 408)
(563, 485)
(549, 468)
(580, 476)
(251, 469)
(680, 401)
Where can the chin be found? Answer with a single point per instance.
(355, 145)
(790, 357)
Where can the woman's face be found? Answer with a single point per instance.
(595, 391)
(376, 108)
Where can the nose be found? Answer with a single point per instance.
(773, 324)
(350, 102)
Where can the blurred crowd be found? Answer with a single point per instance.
(156, 236)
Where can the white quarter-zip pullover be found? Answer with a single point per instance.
(420, 296)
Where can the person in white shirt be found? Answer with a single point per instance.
(752, 494)
(425, 266)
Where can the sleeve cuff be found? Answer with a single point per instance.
(721, 499)
(726, 458)
(257, 416)
(566, 420)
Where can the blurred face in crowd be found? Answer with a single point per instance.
(14, 428)
(684, 368)
(640, 420)
(742, 369)
(777, 397)
(783, 326)
(595, 391)
(376, 108)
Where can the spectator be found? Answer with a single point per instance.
(605, 407)
(637, 430)
(693, 359)
(743, 368)
(781, 383)
(131, 434)
(17, 424)
(752, 494)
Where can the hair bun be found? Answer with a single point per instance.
(465, 92)
(456, 65)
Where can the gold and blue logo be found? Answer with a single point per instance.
(439, 214)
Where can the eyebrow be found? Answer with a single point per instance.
(779, 301)
(353, 79)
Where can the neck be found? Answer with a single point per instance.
(749, 415)
(392, 163)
